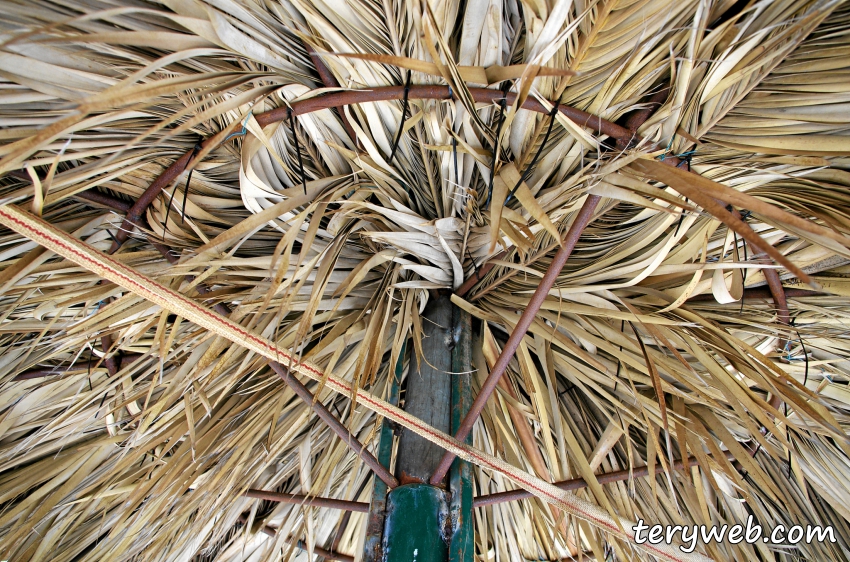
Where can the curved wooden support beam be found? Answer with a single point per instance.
(98, 198)
(330, 81)
(126, 360)
(777, 291)
(641, 116)
(339, 99)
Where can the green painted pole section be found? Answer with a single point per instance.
(462, 544)
(417, 518)
(377, 510)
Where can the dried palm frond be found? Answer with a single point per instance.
(315, 171)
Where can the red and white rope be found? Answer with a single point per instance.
(108, 268)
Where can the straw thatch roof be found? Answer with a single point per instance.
(703, 312)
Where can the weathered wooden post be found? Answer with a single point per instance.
(424, 522)
(462, 544)
(417, 523)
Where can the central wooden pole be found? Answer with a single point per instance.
(462, 544)
(417, 525)
(422, 521)
(428, 395)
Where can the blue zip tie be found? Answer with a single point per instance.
(244, 129)
(669, 144)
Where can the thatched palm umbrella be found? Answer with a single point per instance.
(231, 228)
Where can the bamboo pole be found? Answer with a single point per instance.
(324, 553)
(334, 424)
(299, 499)
(580, 483)
(126, 360)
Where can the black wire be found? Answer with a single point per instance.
(687, 160)
(474, 265)
(168, 212)
(744, 216)
(195, 152)
(805, 352)
(528, 170)
(567, 389)
(680, 219)
(619, 363)
(454, 154)
(454, 148)
(805, 380)
(102, 400)
(496, 143)
(789, 452)
(404, 107)
(735, 239)
(297, 151)
(744, 280)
